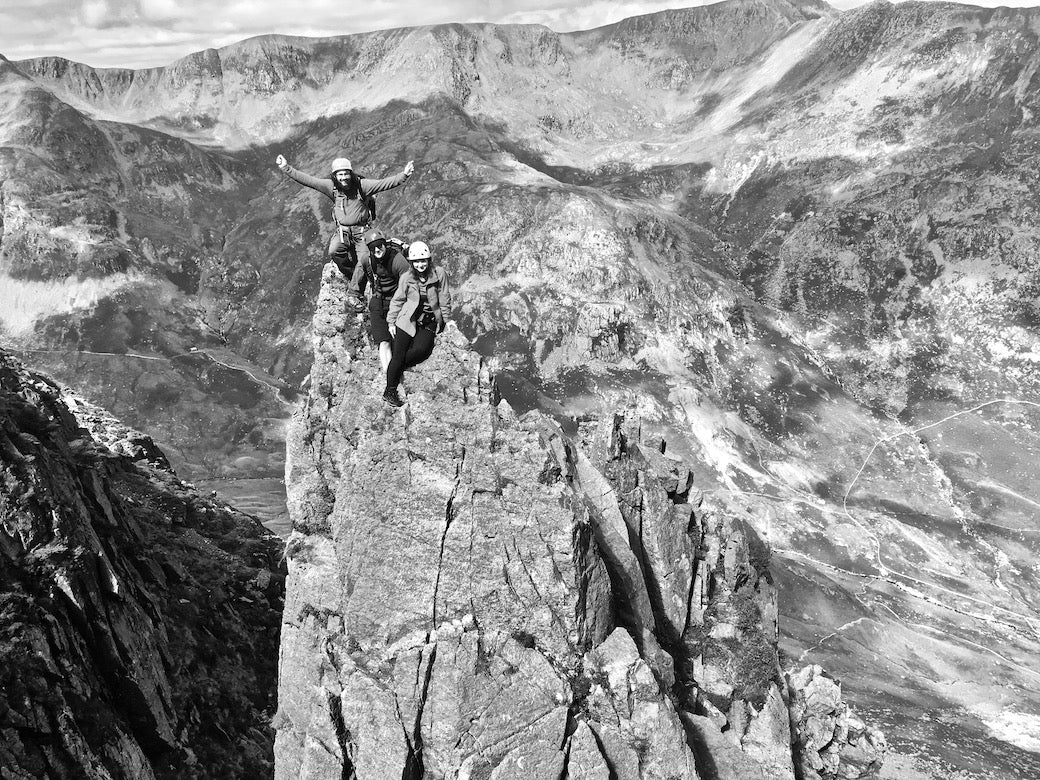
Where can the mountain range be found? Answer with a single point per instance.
(799, 245)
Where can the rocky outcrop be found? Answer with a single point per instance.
(831, 741)
(474, 593)
(138, 620)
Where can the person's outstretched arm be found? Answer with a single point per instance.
(373, 186)
(323, 186)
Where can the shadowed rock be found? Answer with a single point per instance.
(138, 620)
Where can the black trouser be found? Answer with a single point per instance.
(409, 351)
(378, 308)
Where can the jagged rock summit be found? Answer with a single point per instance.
(138, 619)
(477, 594)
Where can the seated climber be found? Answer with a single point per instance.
(352, 204)
(416, 316)
(385, 265)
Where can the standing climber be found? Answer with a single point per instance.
(416, 316)
(352, 204)
(385, 266)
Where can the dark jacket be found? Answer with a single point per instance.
(402, 312)
(383, 275)
(347, 211)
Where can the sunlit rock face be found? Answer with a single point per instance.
(473, 593)
(139, 619)
(790, 239)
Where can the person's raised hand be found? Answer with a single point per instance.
(281, 162)
(409, 169)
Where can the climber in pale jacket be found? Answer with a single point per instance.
(352, 204)
(417, 314)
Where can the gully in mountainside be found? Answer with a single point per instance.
(416, 316)
(353, 204)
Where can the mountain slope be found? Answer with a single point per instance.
(111, 251)
(789, 241)
(264, 88)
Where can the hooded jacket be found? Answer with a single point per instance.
(347, 211)
(403, 306)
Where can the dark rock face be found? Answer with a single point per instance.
(472, 593)
(138, 620)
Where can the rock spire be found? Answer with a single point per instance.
(474, 593)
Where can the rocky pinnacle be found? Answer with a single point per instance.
(476, 594)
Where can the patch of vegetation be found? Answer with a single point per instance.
(755, 669)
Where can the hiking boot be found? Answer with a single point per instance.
(391, 397)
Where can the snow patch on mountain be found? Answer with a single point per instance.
(1019, 728)
(23, 303)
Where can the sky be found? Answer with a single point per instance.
(147, 33)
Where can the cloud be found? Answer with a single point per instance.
(94, 13)
(104, 14)
(566, 16)
(157, 11)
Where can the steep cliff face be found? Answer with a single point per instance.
(476, 594)
(138, 620)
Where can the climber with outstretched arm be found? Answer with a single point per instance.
(352, 204)
(383, 269)
(417, 314)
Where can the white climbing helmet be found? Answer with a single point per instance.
(418, 250)
(341, 164)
